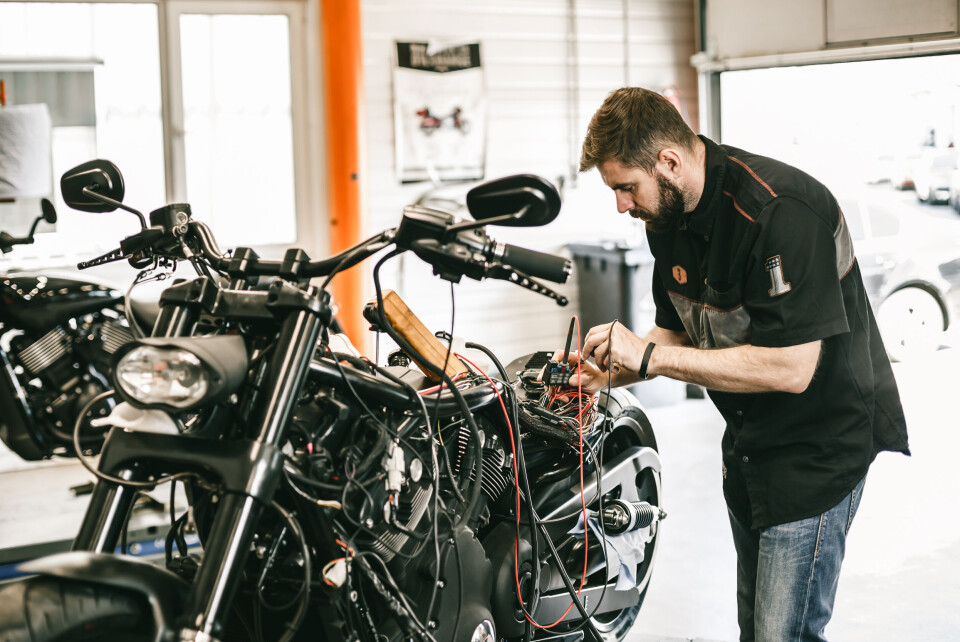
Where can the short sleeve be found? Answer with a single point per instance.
(666, 315)
(792, 287)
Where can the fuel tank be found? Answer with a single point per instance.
(41, 302)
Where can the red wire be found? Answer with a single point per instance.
(516, 481)
(457, 376)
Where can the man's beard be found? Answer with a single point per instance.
(670, 208)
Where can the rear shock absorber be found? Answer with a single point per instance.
(620, 516)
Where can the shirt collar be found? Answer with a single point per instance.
(700, 220)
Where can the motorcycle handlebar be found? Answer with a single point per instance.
(538, 265)
(259, 267)
(7, 241)
(160, 242)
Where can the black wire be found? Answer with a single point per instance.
(536, 519)
(294, 625)
(603, 531)
(434, 475)
(370, 413)
(603, 442)
(350, 255)
(465, 409)
(362, 555)
(456, 552)
(446, 359)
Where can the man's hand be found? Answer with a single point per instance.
(589, 377)
(627, 350)
(627, 353)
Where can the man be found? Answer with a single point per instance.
(759, 298)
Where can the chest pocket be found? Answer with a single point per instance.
(724, 322)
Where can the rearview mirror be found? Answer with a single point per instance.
(82, 185)
(523, 200)
(49, 211)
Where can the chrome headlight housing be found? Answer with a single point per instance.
(181, 373)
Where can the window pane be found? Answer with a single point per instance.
(238, 126)
(109, 110)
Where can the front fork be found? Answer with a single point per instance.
(236, 520)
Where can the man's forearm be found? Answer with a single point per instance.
(663, 337)
(739, 369)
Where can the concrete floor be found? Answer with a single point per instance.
(901, 578)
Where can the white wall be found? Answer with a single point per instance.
(524, 49)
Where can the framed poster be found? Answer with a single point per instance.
(439, 112)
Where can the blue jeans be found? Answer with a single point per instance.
(787, 574)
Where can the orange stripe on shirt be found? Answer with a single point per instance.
(739, 209)
(759, 180)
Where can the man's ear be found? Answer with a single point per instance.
(670, 162)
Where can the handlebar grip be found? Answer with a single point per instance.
(532, 263)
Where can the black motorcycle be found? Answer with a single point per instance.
(337, 499)
(57, 335)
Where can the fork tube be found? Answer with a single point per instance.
(175, 321)
(231, 534)
(224, 554)
(288, 370)
(103, 522)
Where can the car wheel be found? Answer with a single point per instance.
(911, 322)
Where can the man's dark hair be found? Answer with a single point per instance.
(632, 126)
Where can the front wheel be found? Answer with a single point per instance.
(911, 322)
(52, 609)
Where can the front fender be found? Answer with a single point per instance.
(164, 591)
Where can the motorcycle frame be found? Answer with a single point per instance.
(249, 469)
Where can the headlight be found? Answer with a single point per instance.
(166, 376)
(179, 373)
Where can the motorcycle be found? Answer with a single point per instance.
(335, 498)
(57, 335)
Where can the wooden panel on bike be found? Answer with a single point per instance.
(408, 326)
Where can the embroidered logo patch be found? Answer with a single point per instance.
(774, 266)
(679, 274)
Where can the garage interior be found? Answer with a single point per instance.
(279, 121)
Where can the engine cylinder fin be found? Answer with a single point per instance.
(45, 351)
(114, 336)
(390, 540)
(463, 441)
(494, 482)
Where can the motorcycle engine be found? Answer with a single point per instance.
(65, 368)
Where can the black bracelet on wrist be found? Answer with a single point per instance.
(646, 360)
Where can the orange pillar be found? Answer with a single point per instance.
(343, 98)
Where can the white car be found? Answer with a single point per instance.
(931, 177)
(910, 264)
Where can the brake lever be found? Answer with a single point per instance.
(499, 271)
(109, 257)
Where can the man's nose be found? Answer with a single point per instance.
(624, 203)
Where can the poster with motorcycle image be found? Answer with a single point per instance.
(440, 111)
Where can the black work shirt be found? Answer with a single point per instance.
(766, 259)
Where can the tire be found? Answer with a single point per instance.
(912, 323)
(52, 609)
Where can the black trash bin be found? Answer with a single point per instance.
(615, 282)
(614, 279)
